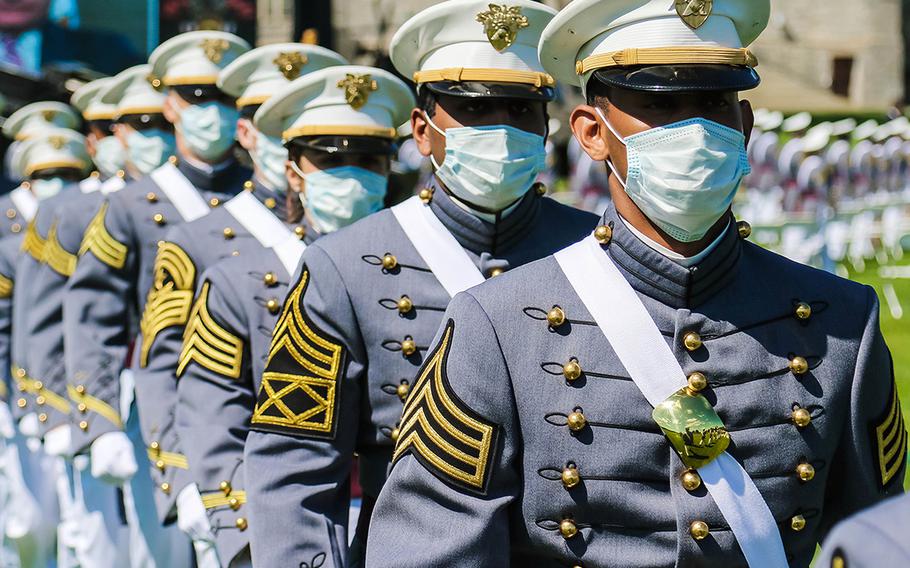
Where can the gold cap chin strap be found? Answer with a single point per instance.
(492, 75)
(667, 56)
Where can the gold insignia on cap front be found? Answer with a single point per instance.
(214, 49)
(694, 12)
(48, 115)
(56, 142)
(357, 88)
(501, 24)
(290, 63)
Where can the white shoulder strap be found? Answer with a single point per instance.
(112, 185)
(90, 184)
(25, 201)
(180, 192)
(257, 219)
(448, 261)
(646, 356)
(289, 252)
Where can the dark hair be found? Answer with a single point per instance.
(426, 101)
(597, 93)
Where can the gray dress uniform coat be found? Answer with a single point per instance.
(187, 250)
(109, 286)
(238, 302)
(354, 330)
(874, 538)
(41, 332)
(507, 481)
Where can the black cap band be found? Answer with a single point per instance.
(679, 78)
(475, 89)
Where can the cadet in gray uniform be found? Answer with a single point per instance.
(662, 393)
(226, 344)
(875, 537)
(358, 320)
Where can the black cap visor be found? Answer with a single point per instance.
(345, 144)
(476, 89)
(680, 78)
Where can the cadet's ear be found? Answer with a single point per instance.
(295, 182)
(246, 134)
(170, 110)
(745, 108)
(590, 132)
(420, 129)
(91, 143)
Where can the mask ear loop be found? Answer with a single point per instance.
(618, 137)
(441, 133)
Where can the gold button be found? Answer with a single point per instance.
(571, 370)
(39, 385)
(405, 305)
(158, 218)
(496, 272)
(691, 480)
(15, 227)
(389, 261)
(603, 234)
(234, 503)
(576, 421)
(80, 389)
(568, 529)
(165, 488)
(228, 233)
(799, 365)
(235, 253)
(692, 341)
(540, 188)
(151, 197)
(402, 390)
(570, 477)
(556, 317)
(10, 213)
(82, 407)
(154, 446)
(300, 231)
(42, 417)
(159, 465)
(21, 403)
(744, 229)
(40, 400)
(121, 174)
(273, 306)
(408, 347)
(798, 523)
(270, 279)
(214, 202)
(83, 426)
(173, 160)
(803, 311)
(241, 524)
(805, 471)
(394, 434)
(697, 382)
(801, 417)
(426, 195)
(248, 185)
(270, 202)
(20, 372)
(699, 530)
(225, 487)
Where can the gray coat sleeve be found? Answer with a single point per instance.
(872, 456)
(96, 312)
(877, 537)
(215, 400)
(455, 471)
(298, 454)
(7, 284)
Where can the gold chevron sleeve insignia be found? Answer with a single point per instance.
(170, 298)
(33, 243)
(450, 439)
(209, 344)
(300, 382)
(60, 261)
(6, 287)
(890, 437)
(101, 243)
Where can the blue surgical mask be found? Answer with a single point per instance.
(110, 156)
(44, 188)
(148, 149)
(208, 129)
(336, 197)
(490, 167)
(684, 176)
(270, 155)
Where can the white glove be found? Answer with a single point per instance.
(58, 441)
(194, 521)
(113, 460)
(7, 426)
(29, 425)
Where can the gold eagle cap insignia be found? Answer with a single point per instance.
(357, 88)
(694, 12)
(290, 63)
(214, 49)
(57, 142)
(501, 23)
(48, 115)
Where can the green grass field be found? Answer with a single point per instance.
(897, 331)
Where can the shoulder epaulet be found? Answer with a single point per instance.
(55, 255)
(33, 243)
(171, 296)
(101, 243)
(6, 287)
(209, 344)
